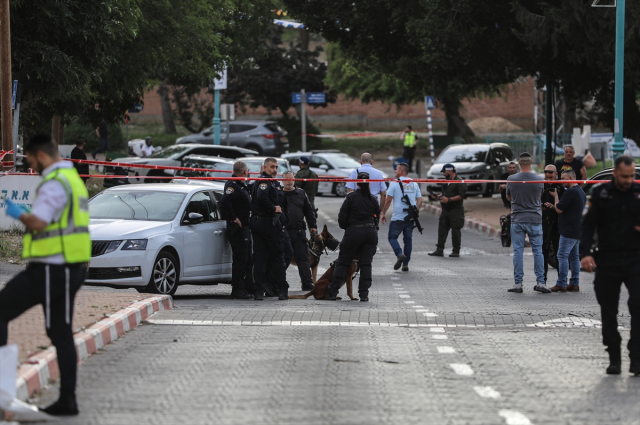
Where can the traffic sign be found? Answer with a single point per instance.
(136, 108)
(221, 83)
(296, 98)
(429, 102)
(13, 96)
(316, 98)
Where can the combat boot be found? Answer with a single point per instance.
(455, 254)
(437, 253)
(283, 294)
(65, 406)
(258, 295)
(239, 293)
(615, 361)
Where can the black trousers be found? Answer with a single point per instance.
(360, 243)
(268, 249)
(549, 231)
(450, 222)
(409, 154)
(242, 257)
(55, 288)
(609, 278)
(301, 254)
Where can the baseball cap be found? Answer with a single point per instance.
(447, 167)
(304, 160)
(362, 175)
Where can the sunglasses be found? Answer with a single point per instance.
(548, 172)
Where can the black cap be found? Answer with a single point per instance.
(362, 175)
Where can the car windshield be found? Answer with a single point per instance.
(345, 162)
(136, 205)
(256, 166)
(169, 151)
(463, 154)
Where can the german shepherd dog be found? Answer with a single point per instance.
(317, 245)
(319, 290)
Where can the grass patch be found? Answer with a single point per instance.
(11, 246)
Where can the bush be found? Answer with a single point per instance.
(293, 126)
(75, 130)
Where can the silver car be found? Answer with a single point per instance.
(474, 162)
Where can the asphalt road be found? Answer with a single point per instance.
(441, 344)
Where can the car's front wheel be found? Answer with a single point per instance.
(340, 189)
(165, 275)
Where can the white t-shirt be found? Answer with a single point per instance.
(147, 150)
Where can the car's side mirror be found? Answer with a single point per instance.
(193, 218)
(324, 167)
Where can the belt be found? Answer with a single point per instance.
(363, 225)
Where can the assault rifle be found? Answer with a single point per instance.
(412, 210)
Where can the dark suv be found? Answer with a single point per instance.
(265, 137)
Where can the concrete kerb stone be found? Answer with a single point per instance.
(36, 372)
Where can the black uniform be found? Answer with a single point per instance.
(614, 214)
(287, 249)
(236, 204)
(358, 216)
(298, 208)
(268, 233)
(550, 231)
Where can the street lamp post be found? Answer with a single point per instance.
(618, 144)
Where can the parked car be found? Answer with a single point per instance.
(604, 175)
(264, 137)
(474, 162)
(328, 163)
(208, 162)
(156, 237)
(255, 164)
(173, 155)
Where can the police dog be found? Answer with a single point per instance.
(317, 245)
(320, 291)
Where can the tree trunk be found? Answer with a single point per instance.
(456, 125)
(304, 39)
(167, 112)
(55, 129)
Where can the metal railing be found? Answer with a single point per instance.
(520, 143)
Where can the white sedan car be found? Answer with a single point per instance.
(154, 237)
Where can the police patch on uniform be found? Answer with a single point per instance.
(229, 190)
(263, 186)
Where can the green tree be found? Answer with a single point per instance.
(451, 49)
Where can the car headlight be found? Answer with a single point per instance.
(135, 245)
(113, 245)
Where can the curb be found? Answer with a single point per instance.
(39, 369)
(470, 223)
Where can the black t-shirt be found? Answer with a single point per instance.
(103, 130)
(572, 206)
(78, 153)
(575, 165)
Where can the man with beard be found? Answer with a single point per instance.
(452, 216)
(550, 232)
(512, 168)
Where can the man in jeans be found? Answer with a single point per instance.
(569, 210)
(400, 220)
(526, 219)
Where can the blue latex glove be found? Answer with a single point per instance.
(14, 210)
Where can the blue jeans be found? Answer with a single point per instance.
(518, 232)
(406, 228)
(568, 255)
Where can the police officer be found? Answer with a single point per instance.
(235, 206)
(268, 229)
(613, 210)
(310, 188)
(272, 289)
(359, 215)
(409, 143)
(550, 231)
(452, 216)
(57, 246)
(299, 208)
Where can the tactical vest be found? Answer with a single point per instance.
(70, 235)
(410, 140)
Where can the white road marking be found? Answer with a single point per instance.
(429, 315)
(487, 392)
(394, 278)
(439, 330)
(437, 336)
(568, 322)
(446, 350)
(420, 311)
(417, 306)
(513, 417)
(404, 296)
(409, 302)
(462, 369)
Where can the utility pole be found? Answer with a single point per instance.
(550, 130)
(618, 144)
(303, 112)
(5, 79)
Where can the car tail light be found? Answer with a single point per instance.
(269, 136)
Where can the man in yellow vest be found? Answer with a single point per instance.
(57, 246)
(410, 140)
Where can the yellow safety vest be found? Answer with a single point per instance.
(410, 140)
(70, 235)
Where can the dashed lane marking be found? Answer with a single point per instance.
(440, 330)
(409, 302)
(487, 392)
(404, 296)
(461, 369)
(439, 336)
(446, 350)
(429, 315)
(513, 417)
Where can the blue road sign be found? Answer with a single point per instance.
(13, 96)
(296, 98)
(429, 102)
(136, 108)
(316, 98)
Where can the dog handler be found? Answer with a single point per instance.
(58, 247)
(359, 216)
